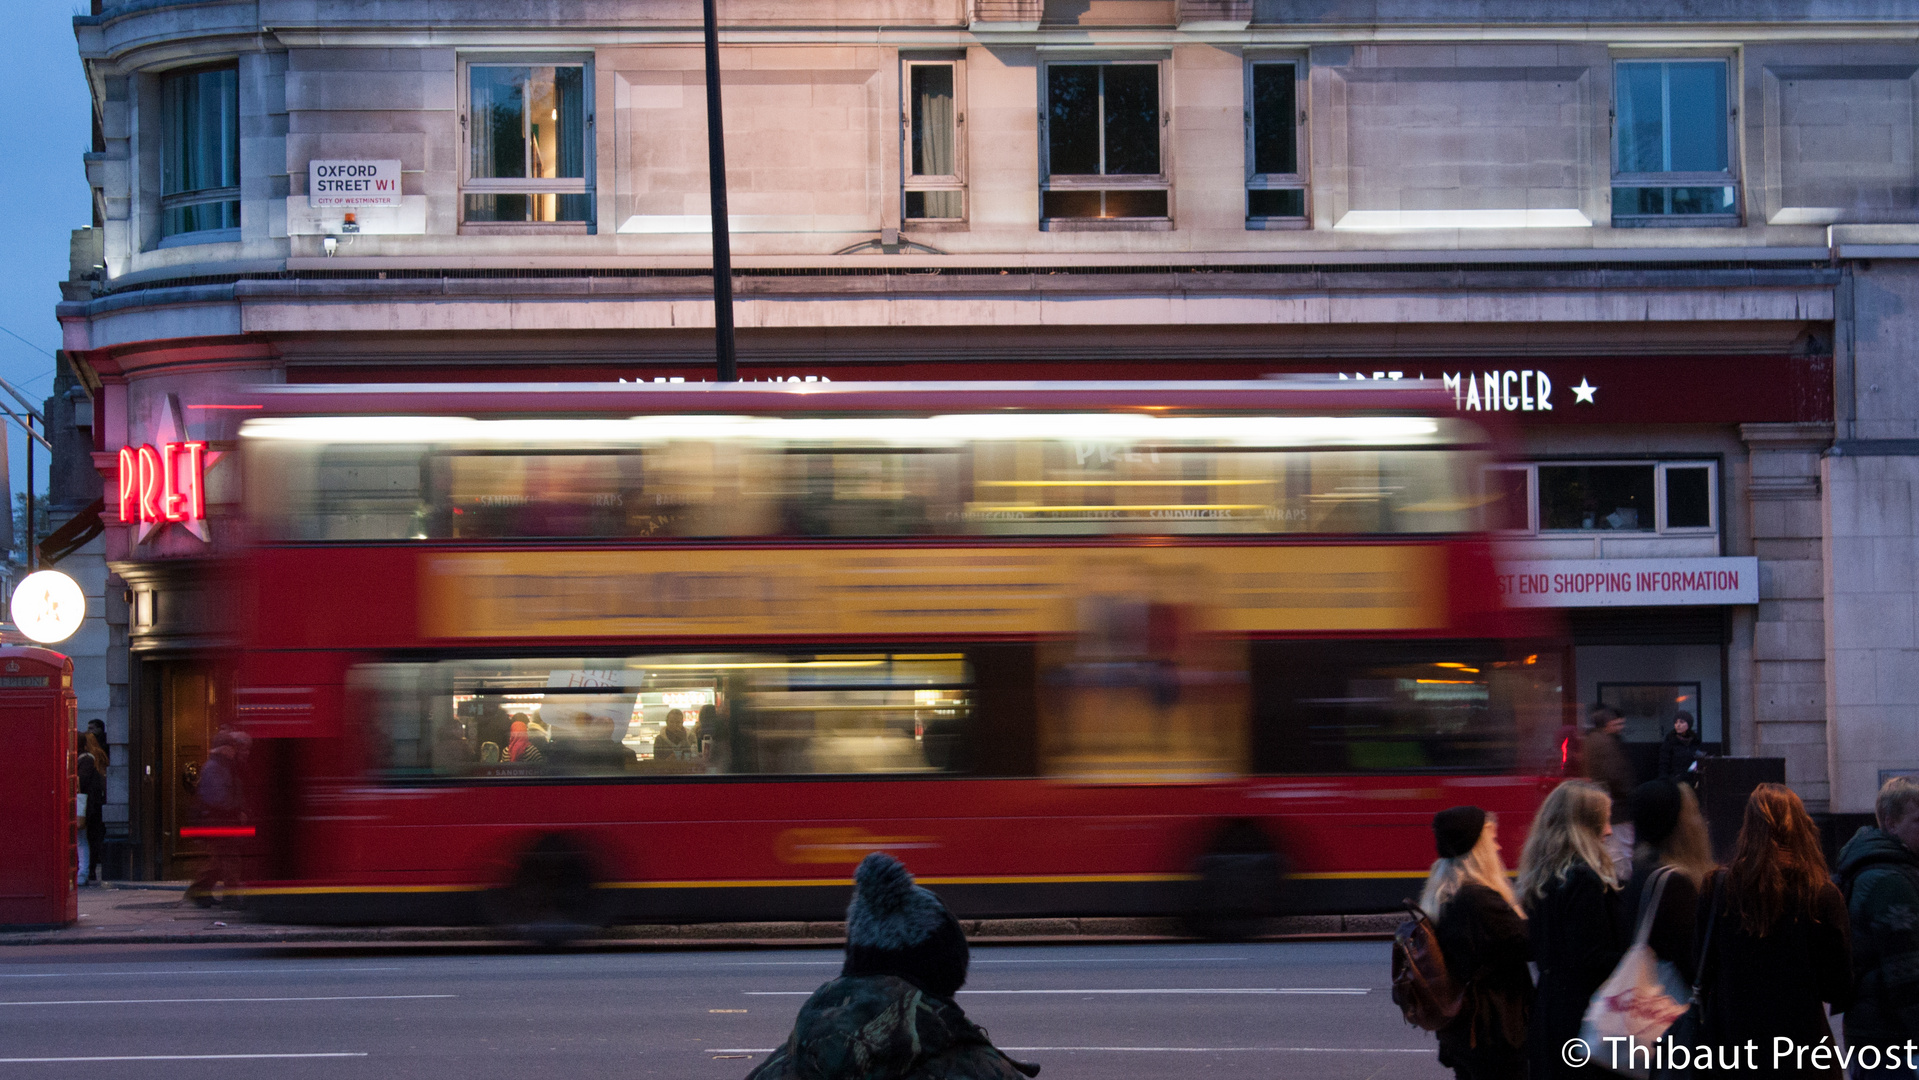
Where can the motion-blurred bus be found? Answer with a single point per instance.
(566, 655)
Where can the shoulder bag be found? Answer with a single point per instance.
(1642, 998)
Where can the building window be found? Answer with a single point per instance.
(1672, 153)
(200, 154)
(526, 144)
(934, 186)
(1104, 142)
(1275, 187)
(1666, 497)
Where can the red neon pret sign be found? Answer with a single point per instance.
(164, 483)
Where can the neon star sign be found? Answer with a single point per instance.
(164, 482)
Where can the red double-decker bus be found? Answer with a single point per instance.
(576, 654)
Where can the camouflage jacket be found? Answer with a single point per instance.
(877, 1027)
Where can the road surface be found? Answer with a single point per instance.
(1299, 1009)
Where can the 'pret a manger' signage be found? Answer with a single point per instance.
(164, 483)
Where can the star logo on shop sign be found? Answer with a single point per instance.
(1583, 393)
(171, 430)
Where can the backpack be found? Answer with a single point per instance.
(1422, 988)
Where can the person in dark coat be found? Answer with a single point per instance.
(96, 743)
(93, 784)
(1775, 948)
(891, 1013)
(1571, 896)
(1482, 938)
(1671, 833)
(1608, 766)
(1679, 749)
(1879, 876)
(221, 801)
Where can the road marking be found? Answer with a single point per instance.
(1222, 1049)
(231, 1000)
(1151, 1049)
(977, 961)
(1172, 990)
(1120, 960)
(183, 1057)
(209, 971)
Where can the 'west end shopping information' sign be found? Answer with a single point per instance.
(1629, 582)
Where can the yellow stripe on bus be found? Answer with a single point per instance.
(323, 890)
(775, 883)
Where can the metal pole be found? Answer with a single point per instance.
(716, 174)
(32, 548)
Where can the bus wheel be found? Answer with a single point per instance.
(550, 899)
(1237, 885)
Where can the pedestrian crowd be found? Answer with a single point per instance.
(1635, 932)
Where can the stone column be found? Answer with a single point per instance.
(1789, 676)
(1872, 525)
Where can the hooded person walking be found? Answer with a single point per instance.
(890, 1015)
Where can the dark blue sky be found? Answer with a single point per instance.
(45, 191)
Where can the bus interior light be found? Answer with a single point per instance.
(946, 429)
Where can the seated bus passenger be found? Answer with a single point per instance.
(519, 748)
(675, 742)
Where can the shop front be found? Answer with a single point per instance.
(1651, 638)
(170, 489)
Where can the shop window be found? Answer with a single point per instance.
(1632, 496)
(1672, 144)
(200, 155)
(1275, 184)
(1104, 143)
(934, 188)
(1602, 498)
(1509, 499)
(525, 128)
(1689, 500)
(769, 714)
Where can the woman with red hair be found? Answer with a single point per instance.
(1774, 938)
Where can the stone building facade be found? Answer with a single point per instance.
(1709, 211)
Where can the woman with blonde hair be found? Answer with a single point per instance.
(1775, 945)
(1482, 938)
(1571, 896)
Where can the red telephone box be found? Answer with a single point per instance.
(39, 847)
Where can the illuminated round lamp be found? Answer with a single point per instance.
(48, 606)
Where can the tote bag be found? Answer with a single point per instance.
(1642, 998)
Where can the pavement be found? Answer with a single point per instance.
(1145, 1011)
(157, 913)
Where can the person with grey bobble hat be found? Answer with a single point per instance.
(890, 1014)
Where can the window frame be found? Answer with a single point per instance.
(582, 185)
(1727, 178)
(1660, 466)
(1295, 180)
(911, 181)
(198, 196)
(1100, 182)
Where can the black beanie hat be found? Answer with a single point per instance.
(1655, 811)
(1456, 831)
(894, 927)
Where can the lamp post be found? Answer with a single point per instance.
(716, 175)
